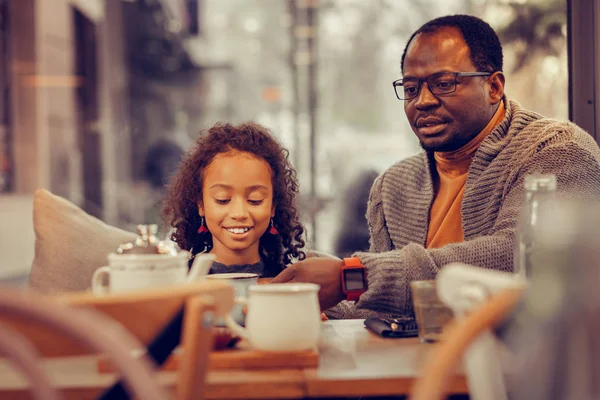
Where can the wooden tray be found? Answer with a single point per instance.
(240, 357)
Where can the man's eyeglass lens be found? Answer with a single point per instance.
(439, 84)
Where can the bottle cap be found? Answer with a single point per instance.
(540, 182)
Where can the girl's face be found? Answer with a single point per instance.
(237, 204)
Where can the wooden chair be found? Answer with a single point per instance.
(23, 355)
(87, 328)
(457, 338)
(144, 314)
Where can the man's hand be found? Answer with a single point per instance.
(322, 271)
(320, 254)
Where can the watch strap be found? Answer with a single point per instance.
(352, 262)
(353, 296)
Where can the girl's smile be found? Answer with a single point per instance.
(239, 233)
(239, 230)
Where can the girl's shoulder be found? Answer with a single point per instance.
(271, 268)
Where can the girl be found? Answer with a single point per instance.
(233, 196)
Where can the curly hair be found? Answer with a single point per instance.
(484, 45)
(180, 207)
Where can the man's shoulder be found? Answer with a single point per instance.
(545, 124)
(539, 126)
(549, 131)
(546, 136)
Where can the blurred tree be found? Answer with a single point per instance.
(353, 36)
(253, 35)
(361, 43)
(534, 37)
(537, 28)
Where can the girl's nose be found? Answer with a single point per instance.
(238, 209)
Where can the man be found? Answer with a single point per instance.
(459, 199)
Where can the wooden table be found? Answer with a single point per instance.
(353, 362)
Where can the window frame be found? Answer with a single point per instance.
(584, 75)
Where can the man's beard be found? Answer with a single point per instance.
(451, 145)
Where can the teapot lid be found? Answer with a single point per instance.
(148, 243)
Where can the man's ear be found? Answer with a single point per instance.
(496, 87)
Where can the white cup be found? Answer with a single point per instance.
(240, 281)
(281, 317)
(128, 272)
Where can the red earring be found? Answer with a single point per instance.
(203, 227)
(273, 230)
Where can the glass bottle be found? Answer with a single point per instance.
(540, 192)
(554, 333)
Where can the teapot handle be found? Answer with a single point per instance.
(233, 325)
(200, 266)
(98, 287)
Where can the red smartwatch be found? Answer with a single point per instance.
(354, 278)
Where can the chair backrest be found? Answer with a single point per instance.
(465, 288)
(442, 361)
(144, 314)
(90, 328)
(23, 355)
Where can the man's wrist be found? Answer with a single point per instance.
(341, 295)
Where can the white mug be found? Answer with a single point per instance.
(281, 317)
(240, 281)
(128, 272)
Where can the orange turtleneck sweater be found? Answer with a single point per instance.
(445, 218)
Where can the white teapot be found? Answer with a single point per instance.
(147, 263)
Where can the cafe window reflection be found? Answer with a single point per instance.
(317, 74)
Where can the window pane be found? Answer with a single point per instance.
(102, 102)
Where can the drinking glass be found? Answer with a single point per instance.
(431, 313)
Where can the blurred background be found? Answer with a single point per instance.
(100, 98)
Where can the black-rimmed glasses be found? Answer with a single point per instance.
(440, 83)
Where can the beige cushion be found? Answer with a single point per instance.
(69, 244)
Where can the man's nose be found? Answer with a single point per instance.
(426, 99)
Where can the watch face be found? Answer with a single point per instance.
(354, 279)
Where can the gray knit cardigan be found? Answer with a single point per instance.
(400, 200)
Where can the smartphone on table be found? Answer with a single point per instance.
(402, 327)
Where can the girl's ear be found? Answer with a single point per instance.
(200, 209)
(272, 211)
